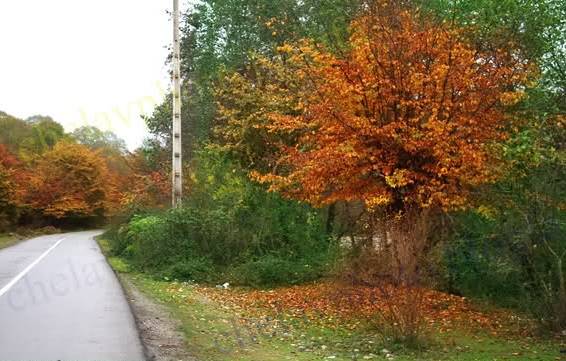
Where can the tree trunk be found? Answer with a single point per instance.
(330, 217)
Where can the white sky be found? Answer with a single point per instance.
(85, 62)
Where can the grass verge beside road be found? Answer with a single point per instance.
(219, 325)
(7, 240)
(22, 234)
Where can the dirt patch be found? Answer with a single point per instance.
(159, 332)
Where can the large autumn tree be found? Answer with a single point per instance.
(406, 120)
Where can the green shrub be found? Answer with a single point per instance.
(511, 251)
(230, 229)
(192, 269)
(272, 270)
(482, 265)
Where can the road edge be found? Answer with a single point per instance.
(147, 312)
(148, 355)
(127, 295)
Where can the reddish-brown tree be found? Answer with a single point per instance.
(407, 119)
(406, 122)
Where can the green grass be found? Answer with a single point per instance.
(7, 240)
(214, 333)
(10, 239)
(217, 333)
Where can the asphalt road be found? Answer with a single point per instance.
(59, 300)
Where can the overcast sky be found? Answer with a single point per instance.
(85, 62)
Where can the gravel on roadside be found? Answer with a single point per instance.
(159, 332)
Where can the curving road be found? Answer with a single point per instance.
(59, 300)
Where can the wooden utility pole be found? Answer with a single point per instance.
(177, 165)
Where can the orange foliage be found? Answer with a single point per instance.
(151, 190)
(145, 187)
(406, 118)
(7, 159)
(12, 178)
(71, 180)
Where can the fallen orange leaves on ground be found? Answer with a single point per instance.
(333, 303)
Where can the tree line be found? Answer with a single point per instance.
(77, 179)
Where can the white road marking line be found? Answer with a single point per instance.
(28, 268)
